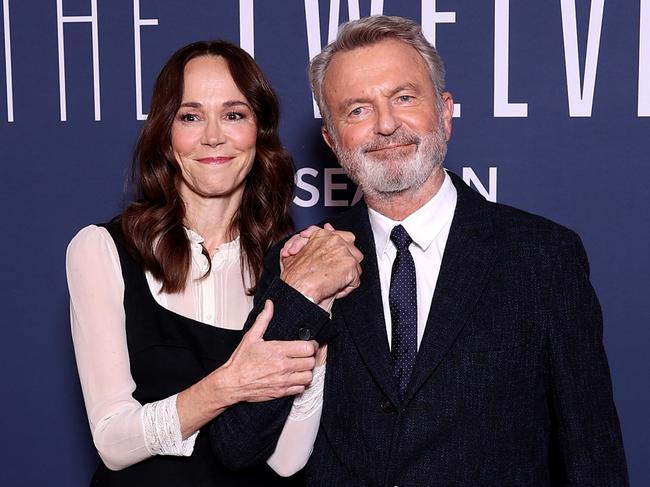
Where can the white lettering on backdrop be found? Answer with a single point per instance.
(307, 182)
(580, 86)
(92, 20)
(8, 74)
(581, 98)
(644, 60)
(137, 50)
(502, 107)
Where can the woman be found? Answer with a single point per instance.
(159, 296)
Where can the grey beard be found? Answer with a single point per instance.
(379, 179)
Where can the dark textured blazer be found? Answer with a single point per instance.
(511, 385)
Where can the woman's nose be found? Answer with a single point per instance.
(213, 134)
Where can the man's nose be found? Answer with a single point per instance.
(212, 134)
(387, 120)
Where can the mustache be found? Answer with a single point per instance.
(384, 141)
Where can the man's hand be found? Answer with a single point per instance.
(321, 263)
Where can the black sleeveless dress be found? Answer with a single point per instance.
(168, 353)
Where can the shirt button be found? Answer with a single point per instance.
(304, 333)
(387, 406)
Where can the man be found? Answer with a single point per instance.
(471, 354)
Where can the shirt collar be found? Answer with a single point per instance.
(196, 243)
(423, 225)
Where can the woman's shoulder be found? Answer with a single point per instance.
(92, 241)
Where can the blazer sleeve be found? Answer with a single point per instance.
(587, 446)
(246, 434)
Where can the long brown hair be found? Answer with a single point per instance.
(153, 224)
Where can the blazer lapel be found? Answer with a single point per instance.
(467, 261)
(362, 309)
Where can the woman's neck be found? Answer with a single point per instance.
(211, 218)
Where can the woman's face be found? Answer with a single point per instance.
(214, 132)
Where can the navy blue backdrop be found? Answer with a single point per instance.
(554, 103)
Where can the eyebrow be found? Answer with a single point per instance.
(225, 104)
(403, 87)
(352, 101)
(235, 103)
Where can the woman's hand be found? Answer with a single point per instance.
(260, 370)
(256, 371)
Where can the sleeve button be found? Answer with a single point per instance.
(304, 333)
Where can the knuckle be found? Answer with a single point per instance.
(285, 366)
(336, 238)
(288, 349)
(300, 348)
(309, 348)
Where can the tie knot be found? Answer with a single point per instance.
(400, 238)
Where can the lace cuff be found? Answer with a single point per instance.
(311, 400)
(162, 429)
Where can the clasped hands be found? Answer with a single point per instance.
(321, 263)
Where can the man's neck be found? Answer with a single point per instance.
(398, 206)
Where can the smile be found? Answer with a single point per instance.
(215, 160)
(391, 147)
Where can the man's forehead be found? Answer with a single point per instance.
(386, 66)
(385, 48)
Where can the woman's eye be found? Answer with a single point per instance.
(189, 117)
(234, 116)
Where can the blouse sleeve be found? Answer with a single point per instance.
(124, 432)
(296, 441)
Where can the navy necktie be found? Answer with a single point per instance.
(402, 299)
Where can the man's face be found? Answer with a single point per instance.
(388, 127)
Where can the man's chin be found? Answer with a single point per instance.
(387, 187)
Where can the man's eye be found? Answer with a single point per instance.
(405, 98)
(356, 112)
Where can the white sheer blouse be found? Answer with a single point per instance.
(125, 431)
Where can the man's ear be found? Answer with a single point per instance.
(447, 112)
(327, 137)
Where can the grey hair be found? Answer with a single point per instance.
(368, 31)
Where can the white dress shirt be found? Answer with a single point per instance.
(429, 228)
(125, 431)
